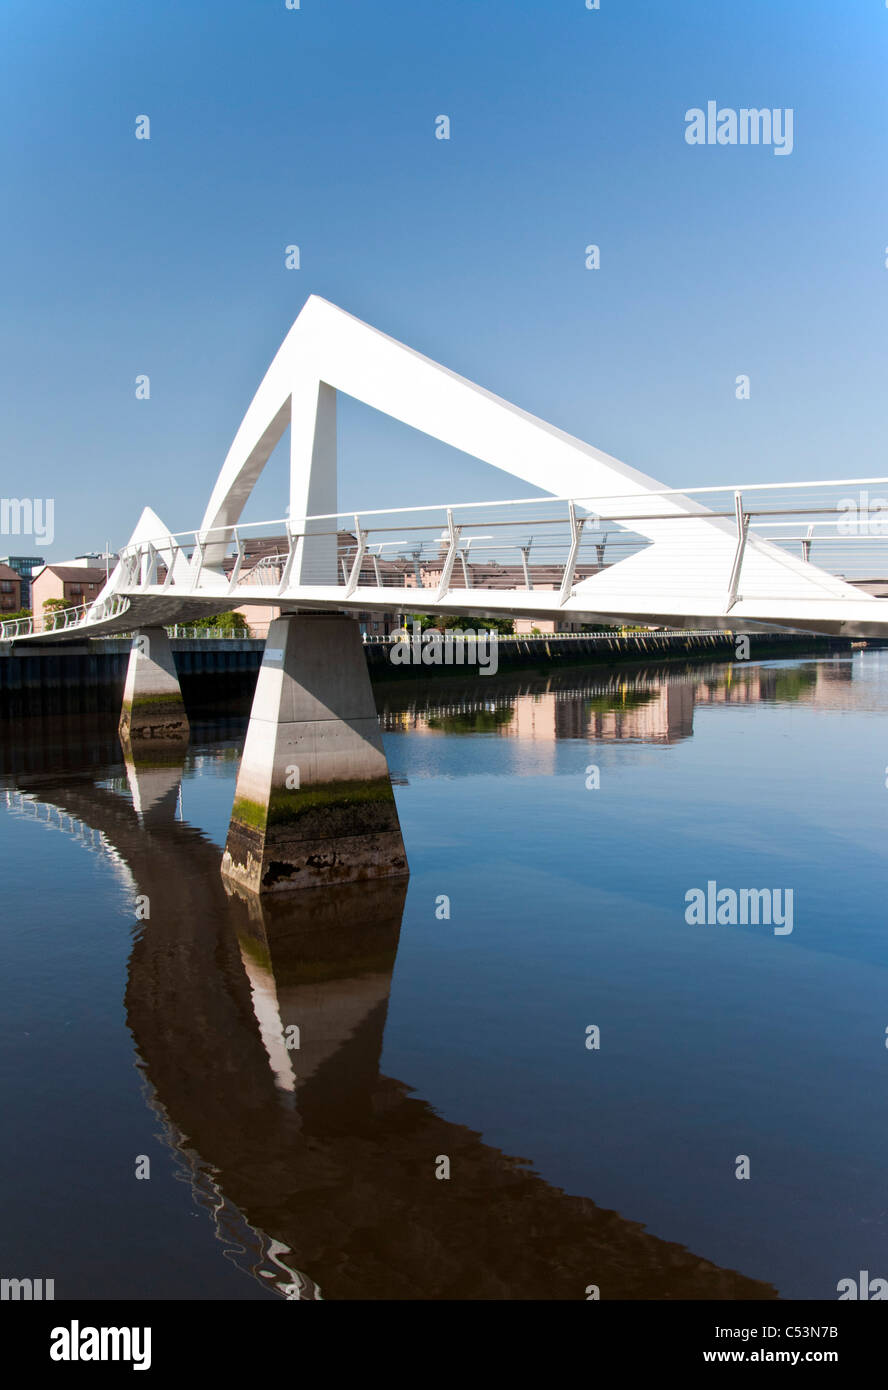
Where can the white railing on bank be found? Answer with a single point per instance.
(467, 634)
(215, 634)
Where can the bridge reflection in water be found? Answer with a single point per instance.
(259, 1027)
(318, 1171)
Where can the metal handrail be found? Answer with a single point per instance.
(63, 619)
(561, 544)
(687, 492)
(200, 538)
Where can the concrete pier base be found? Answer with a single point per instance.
(314, 802)
(153, 722)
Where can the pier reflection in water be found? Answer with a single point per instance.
(259, 1027)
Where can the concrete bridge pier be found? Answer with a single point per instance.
(313, 803)
(153, 723)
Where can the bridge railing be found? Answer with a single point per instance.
(523, 543)
(542, 543)
(65, 619)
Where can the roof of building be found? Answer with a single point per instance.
(74, 574)
(6, 572)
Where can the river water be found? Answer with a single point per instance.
(523, 1073)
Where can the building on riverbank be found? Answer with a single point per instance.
(25, 566)
(74, 581)
(10, 589)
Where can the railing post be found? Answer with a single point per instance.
(150, 568)
(742, 531)
(235, 573)
(525, 553)
(576, 526)
(447, 571)
(806, 545)
(198, 548)
(174, 553)
(351, 582)
(288, 564)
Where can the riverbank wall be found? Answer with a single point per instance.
(217, 674)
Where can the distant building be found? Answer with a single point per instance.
(96, 559)
(263, 564)
(491, 574)
(24, 566)
(546, 626)
(74, 581)
(10, 589)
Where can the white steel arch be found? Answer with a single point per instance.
(328, 350)
(699, 561)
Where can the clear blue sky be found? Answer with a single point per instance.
(316, 126)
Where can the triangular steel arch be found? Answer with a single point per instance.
(328, 350)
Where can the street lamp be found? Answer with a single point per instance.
(463, 552)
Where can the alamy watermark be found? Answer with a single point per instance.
(452, 647)
(743, 907)
(862, 515)
(28, 516)
(863, 1287)
(76, 1343)
(26, 1290)
(746, 126)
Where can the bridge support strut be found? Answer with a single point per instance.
(313, 803)
(153, 723)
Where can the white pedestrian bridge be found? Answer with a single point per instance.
(599, 541)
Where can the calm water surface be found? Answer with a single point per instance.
(278, 1171)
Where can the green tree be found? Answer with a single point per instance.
(465, 621)
(54, 610)
(234, 624)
